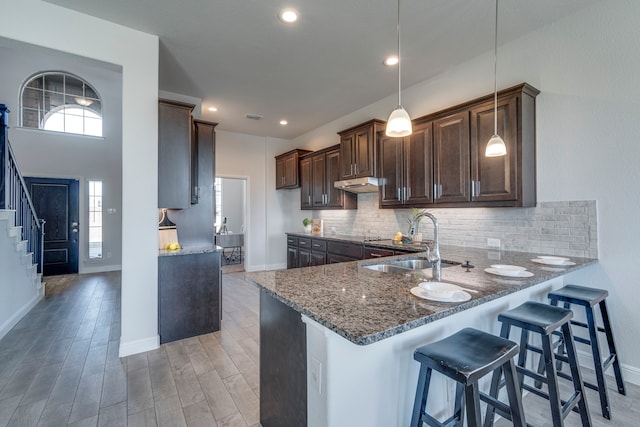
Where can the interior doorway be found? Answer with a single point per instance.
(230, 221)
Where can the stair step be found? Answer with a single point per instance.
(8, 214)
(15, 231)
(21, 246)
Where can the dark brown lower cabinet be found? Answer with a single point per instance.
(292, 256)
(283, 365)
(188, 295)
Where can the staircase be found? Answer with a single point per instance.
(21, 285)
(21, 239)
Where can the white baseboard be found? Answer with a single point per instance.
(18, 315)
(100, 269)
(264, 267)
(139, 346)
(630, 374)
(276, 266)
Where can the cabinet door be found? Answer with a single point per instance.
(418, 166)
(318, 174)
(174, 155)
(318, 258)
(290, 172)
(306, 183)
(391, 171)
(451, 152)
(335, 258)
(292, 257)
(280, 177)
(346, 155)
(304, 257)
(494, 178)
(363, 152)
(334, 196)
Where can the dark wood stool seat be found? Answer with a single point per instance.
(589, 298)
(544, 320)
(465, 357)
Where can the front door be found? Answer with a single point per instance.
(56, 201)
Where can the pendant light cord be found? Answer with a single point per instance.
(495, 76)
(399, 62)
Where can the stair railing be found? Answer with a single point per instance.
(14, 195)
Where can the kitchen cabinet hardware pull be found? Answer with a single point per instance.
(408, 193)
(435, 192)
(398, 194)
(309, 199)
(478, 189)
(376, 255)
(439, 190)
(355, 166)
(473, 188)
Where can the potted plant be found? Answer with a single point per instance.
(307, 225)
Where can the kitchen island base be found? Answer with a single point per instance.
(283, 365)
(361, 385)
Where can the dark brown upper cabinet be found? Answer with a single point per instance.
(287, 169)
(318, 171)
(451, 158)
(462, 175)
(174, 154)
(406, 168)
(358, 152)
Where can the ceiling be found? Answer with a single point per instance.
(238, 56)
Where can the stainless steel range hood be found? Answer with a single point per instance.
(358, 185)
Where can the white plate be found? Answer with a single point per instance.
(440, 289)
(458, 296)
(552, 257)
(557, 263)
(509, 273)
(507, 267)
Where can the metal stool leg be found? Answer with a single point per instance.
(576, 376)
(612, 346)
(458, 411)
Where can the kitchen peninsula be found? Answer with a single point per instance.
(344, 335)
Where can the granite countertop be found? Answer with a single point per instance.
(190, 250)
(330, 236)
(365, 306)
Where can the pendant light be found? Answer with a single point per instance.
(399, 122)
(496, 146)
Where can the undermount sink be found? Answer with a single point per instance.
(402, 266)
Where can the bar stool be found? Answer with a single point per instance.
(465, 357)
(589, 298)
(544, 319)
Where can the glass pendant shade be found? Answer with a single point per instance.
(398, 123)
(495, 147)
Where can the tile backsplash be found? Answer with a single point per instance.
(560, 228)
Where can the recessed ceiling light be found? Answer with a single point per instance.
(288, 16)
(212, 109)
(284, 122)
(392, 60)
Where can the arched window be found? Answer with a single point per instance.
(61, 102)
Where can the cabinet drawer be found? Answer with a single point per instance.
(292, 241)
(377, 252)
(304, 242)
(319, 245)
(351, 250)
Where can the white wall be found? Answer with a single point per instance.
(586, 67)
(57, 155)
(252, 157)
(31, 21)
(233, 203)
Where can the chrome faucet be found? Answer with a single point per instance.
(433, 255)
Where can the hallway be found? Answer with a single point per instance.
(60, 364)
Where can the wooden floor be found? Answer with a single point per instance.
(59, 366)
